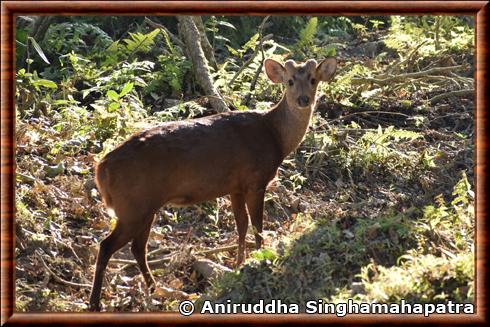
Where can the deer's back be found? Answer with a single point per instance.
(195, 160)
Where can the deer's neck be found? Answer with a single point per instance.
(290, 124)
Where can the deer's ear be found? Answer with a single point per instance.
(326, 69)
(275, 71)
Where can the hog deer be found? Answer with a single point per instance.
(187, 162)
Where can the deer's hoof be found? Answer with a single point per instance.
(94, 307)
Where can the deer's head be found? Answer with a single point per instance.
(300, 80)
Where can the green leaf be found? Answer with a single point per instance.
(222, 38)
(127, 88)
(52, 171)
(45, 83)
(329, 51)
(61, 102)
(227, 24)
(25, 178)
(21, 35)
(85, 93)
(113, 47)
(113, 106)
(252, 42)
(111, 94)
(264, 254)
(100, 108)
(232, 51)
(141, 42)
(38, 49)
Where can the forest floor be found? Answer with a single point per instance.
(356, 186)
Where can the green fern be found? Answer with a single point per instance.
(194, 109)
(305, 45)
(140, 42)
(307, 34)
(169, 44)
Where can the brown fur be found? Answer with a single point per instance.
(187, 162)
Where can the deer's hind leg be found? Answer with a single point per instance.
(133, 221)
(138, 248)
(119, 237)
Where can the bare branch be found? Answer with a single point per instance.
(57, 278)
(172, 36)
(459, 93)
(401, 77)
(257, 48)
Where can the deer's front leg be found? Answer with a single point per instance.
(241, 218)
(255, 205)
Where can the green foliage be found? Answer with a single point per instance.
(450, 229)
(315, 245)
(378, 151)
(184, 110)
(307, 34)
(245, 27)
(212, 26)
(227, 73)
(169, 77)
(376, 23)
(119, 76)
(34, 80)
(84, 39)
(170, 71)
(421, 279)
(344, 88)
(33, 93)
(360, 29)
(250, 44)
(306, 46)
(441, 268)
(431, 35)
(378, 147)
(129, 47)
(21, 34)
(140, 42)
(265, 254)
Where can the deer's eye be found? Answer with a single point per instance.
(291, 83)
(313, 81)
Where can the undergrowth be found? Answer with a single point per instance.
(382, 259)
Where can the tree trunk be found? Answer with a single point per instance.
(206, 46)
(192, 40)
(40, 27)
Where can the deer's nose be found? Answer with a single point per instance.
(303, 100)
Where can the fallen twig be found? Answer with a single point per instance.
(459, 93)
(407, 59)
(401, 77)
(56, 277)
(169, 256)
(369, 112)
